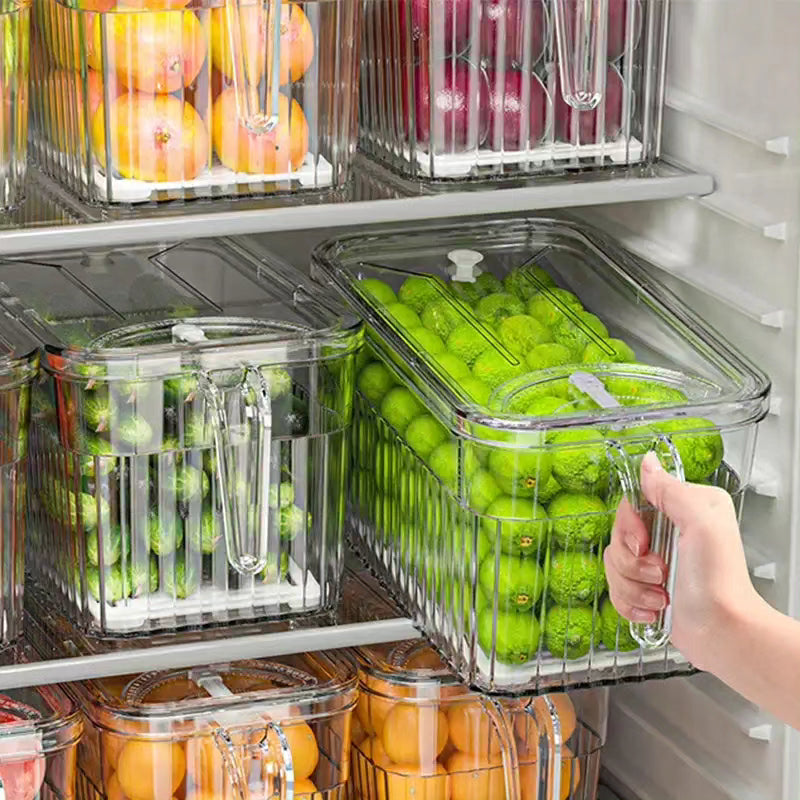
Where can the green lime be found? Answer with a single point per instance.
(468, 341)
(575, 579)
(477, 391)
(444, 315)
(548, 355)
(615, 631)
(521, 333)
(553, 305)
(577, 334)
(521, 400)
(452, 366)
(483, 490)
(608, 351)
(374, 381)
(112, 547)
(641, 392)
(379, 291)
(424, 434)
(468, 293)
(519, 526)
(517, 582)
(279, 381)
(387, 460)
(580, 460)
(527, 281)
(579, 520)
(547, 405)
(427, 341)
(399, 407)
(495, 307)
(403, 315)
(183, 580)
(488, 283)
(419, 291)
(495, 369)
(445, 462)
(699, 445)
(513, 639)
(464, 597)
(165, 532)
(548, 491)
(568, 632)
(519, 471)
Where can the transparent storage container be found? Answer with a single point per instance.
(498, 423)
(275, 728)
(484, 89)
(418, 732)
(39, 733)
(190, 440)
(15, 46)
(163, 100)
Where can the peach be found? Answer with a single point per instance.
(241, 150)
(154, 138)
(63, 98)
(151, 51)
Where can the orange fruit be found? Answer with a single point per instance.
(303, 744)
(304, 786)
(375, 702)
(239, 149)
(113, 789)
(358, 732)
(414, 734)
(369, 777)
(412, 782)
(373, 750)
(475, 777)
(526, 727)
(205, 768)
(529, 774)
(111, 745)
(149, 770)
(154, 138)
(297, 42)
(471, 729)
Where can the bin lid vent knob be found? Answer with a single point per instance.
(466, 265)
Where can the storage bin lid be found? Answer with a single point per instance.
(413, 662)
(500, 295)
(147, 311)
(35, 722)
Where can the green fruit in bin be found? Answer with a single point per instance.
(518, 526)
(579, 521)
(181, 580)
(514, 639)
(575, 578)
(527, 281)
(615, 631)
(444, 315)
(55, 498)
(569, 632)
(115, 589)
(399, 407)
(377, 290)
(517, 582)
(477, 390)
(141, 579)
(363, 357)
(551, 307)
(197, 432)
(445, 462)
(293, 522)
(467, 292)
(547, 492)
(494, 308)
(278, 380)
(191, 483)
(521, 333)
(519, 471)
(580, 460)
(419, 291)
(134, 431)
(281, 495)
(387, 467)
(112, 547)
(97, 411)
(451, 367)
(100, 448)
(577, 334)
(699, 445)
(277, 568)
(424, 434)
(608, 351)
(488, 283)
(640, 392)
(483, 491)
(181, 389)
(547, 406)
(165, 532)
(427, 341)
(210, 532)
(495, 368)
(468, 341)
(403, 316)
(548, 355)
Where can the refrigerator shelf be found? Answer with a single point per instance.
(52, 219)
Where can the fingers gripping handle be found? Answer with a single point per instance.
(663, 533)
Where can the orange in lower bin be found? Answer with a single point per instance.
(112, 745)
(304, 787)
(526, 727)
(471, 729)
(376, 702)
(414, 734)
(303, 744)
(412, 782)
(150, 770)
(476, 777)
(113, 789)
(529, 775)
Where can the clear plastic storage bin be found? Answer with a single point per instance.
(190, 435)
(151, 101)
(499, 422)
(418, 732)
(15, 46)
(464, 89)
(269, 729)
(39, 733)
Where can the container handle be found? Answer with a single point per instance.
(504, 730)
(581, 36)
(246, 543)
(544, 717)
(663, 533)
(258, 109)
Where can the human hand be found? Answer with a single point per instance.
(712, 584)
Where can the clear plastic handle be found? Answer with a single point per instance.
(581, 34)
(243, 468)
(663, 534)
(257, 107)
(545, 720)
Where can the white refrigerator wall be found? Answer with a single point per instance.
(733, 109)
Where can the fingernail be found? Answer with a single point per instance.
(633, 545)
(653, 600)
(652, 574)
(651, 464)
(640, 615)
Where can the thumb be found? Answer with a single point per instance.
(669, 495)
